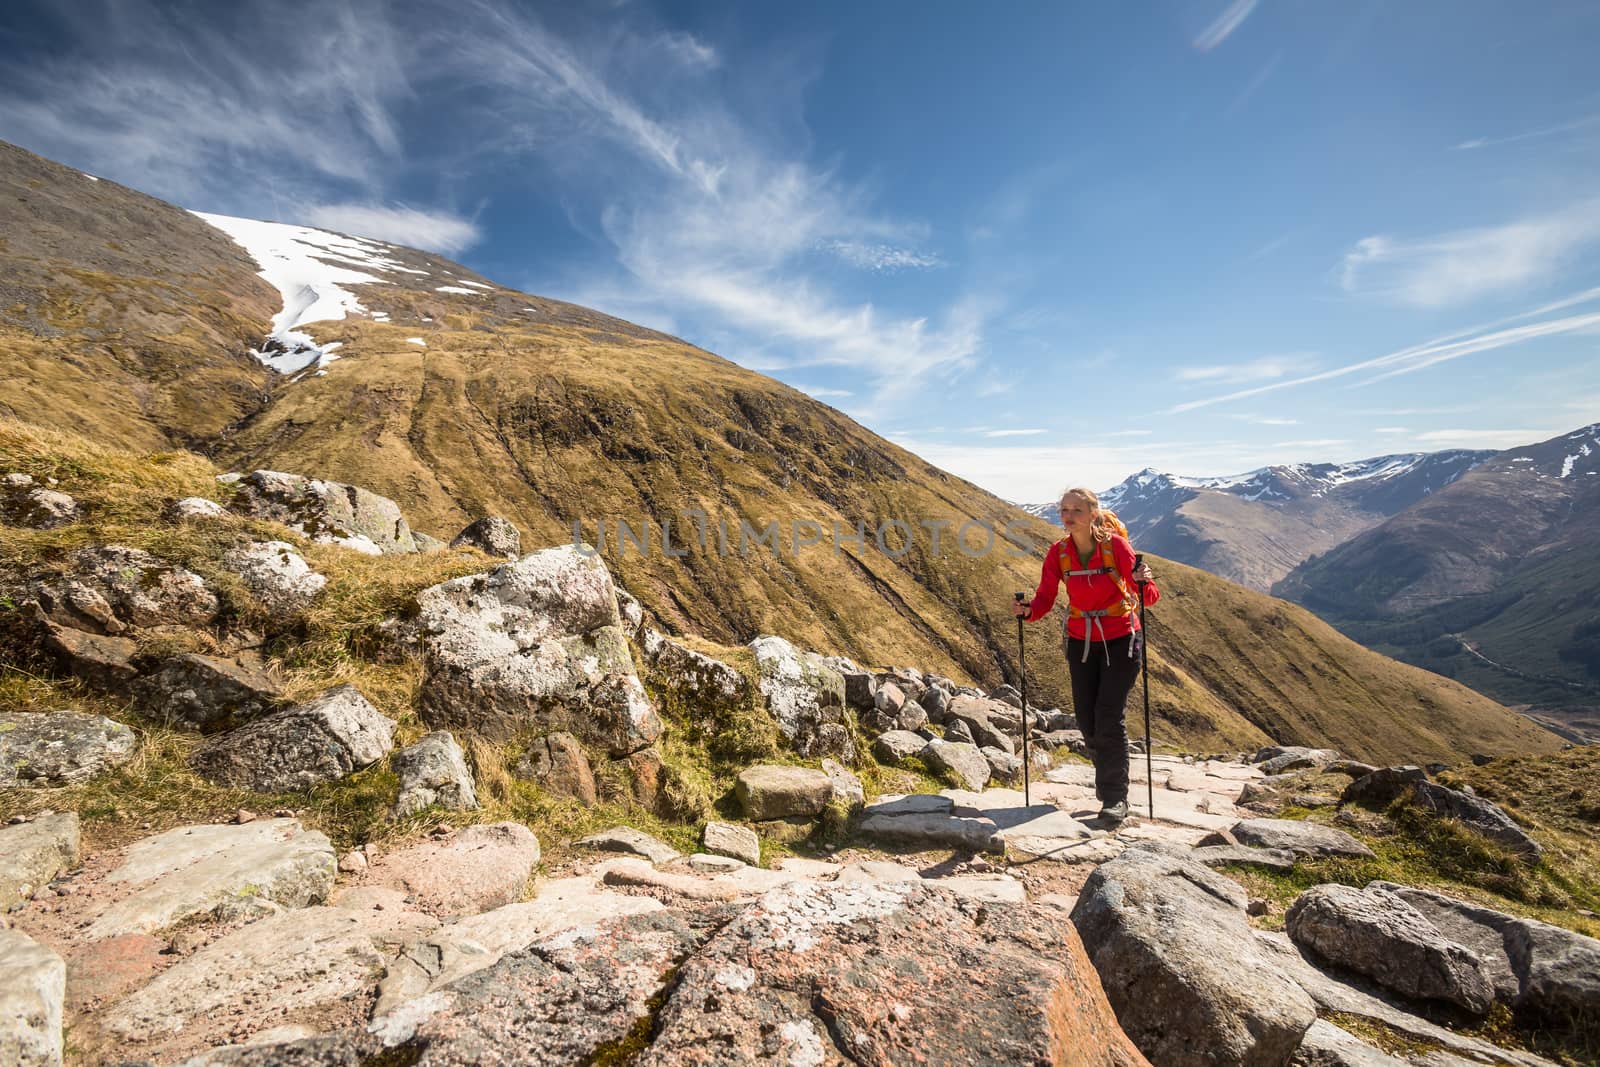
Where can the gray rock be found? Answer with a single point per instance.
(223, 871)
(1003, 766)
(559, 765)
(1349, 767)
(1297, 759)
(1478, 815)
(492, 535)
(325, 511)
(209, 693)
(192, 508)
(860, 690)
(632, 612)
(958, 731)
(992, 723)
(1325, 1045)
(433, 771)
(889, 700)
(322, 740)
(534, 644)
(896, 745)
(33, 985)
(16, 480)
(726, 839)
(1375, 933)
(33, 853)
(1007, 694)
(848, 792)
(1270, 859)
(38, 508)
(1382, 787)
(696, 682)
(1153, 925)
(1301, 838)
(472, 870)
(52, 748)
(936, 702)
(275, 574)
(427, 543)
(964, 763)
(806, 698)
(627, 840)
(1537, 968)
(927, 822)
(707, 863)
(104, 662)
(109, 588)
(773, 791)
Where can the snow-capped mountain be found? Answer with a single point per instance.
(1257, 526)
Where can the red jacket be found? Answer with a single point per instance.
(1094, 592)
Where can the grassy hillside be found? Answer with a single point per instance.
(548, 413)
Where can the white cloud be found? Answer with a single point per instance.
(1013, 433)
(1530, 135)
(1250, 371)
(822, 391)
(1223, 25)
(1482, 438)
(1482, 338)
(1465, 265)
(1392, 429)
(433, 231)
(880, 257)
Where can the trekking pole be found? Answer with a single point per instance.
(1144, 663)
(1022, 668)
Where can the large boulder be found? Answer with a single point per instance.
(111, 588)
(1153, 925)
(963, 763)
(1383, 786)
(534, 644)
(37, 508)
(33, 985)
(923, 822)
(103, 661)
(433, 771)
(806, 698)
(322, 740)
(209, 693)
(325, 511)
(51, 748)
(992, 723)
(1478, 815)
(791, 980)
(1542, 970)
(774, 791)
(33, 853)
(491, 535)
(223, 871)
(275, 574)
(1376, 933)
(1298, 836)
(894, 746)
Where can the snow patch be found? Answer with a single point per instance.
(456, 289)
(1571, 461)
(475, 285)
(91, 177)
(417, 341)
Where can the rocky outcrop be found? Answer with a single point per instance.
(109, 589)
(433, 771)
(1375, 933)
(992, 723)
(927, 822)
(322, 740)
(1543, 971)
(491, 535)
(1386, 785)
(462, 873)
(33, 983)
(534, 644)
(209, 693)
(806, 698)
(770, 791)
(784, 983)
(329, 512)
(51, 748)
(275, 574)
(1325, 1045)
(559, 765)
(1153, 925)
(222, 871)
(33, 853)
(1298, 836)
(104, 662)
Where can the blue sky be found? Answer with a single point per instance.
(1037, 244)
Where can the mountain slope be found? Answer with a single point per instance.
(1254, 528)
(459, 398)
(1492, 580)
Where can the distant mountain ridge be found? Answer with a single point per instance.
(1255, 527)
(1493, 580)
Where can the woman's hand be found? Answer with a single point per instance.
(1143, 574)
(1020, 608)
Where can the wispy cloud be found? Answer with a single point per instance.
(1482, 438)
(1587, 122)
(1266, 420)
(1222, 27)
(434, 231)
(1464, 265)
(1254, 370)
(1013, 433)
(1483, 338)
(1130, 433)
(880, 257)
(821, 391)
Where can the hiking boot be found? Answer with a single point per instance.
(1115, 813)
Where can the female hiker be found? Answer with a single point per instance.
(1102, 639)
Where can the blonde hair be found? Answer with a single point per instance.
(1105, 521)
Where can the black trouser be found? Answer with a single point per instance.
(1099, 698)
